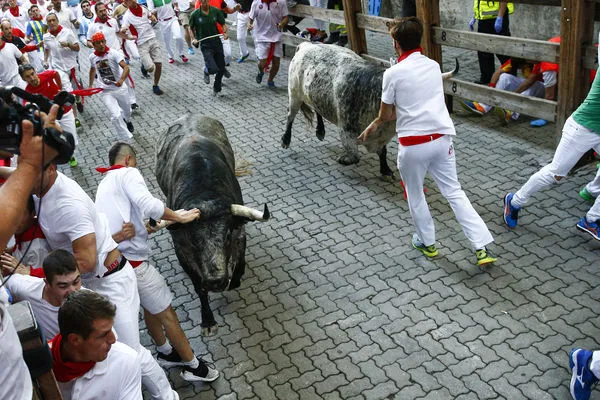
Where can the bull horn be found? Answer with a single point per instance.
(450, 74)
(246, 212)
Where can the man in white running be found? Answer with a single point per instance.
(163, 11)
(109, 67)
(124, 198)
(425, 133)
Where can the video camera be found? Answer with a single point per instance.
(12, 115)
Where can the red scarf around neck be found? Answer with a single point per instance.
(409, 52)
(14, 11)
(137, 11)
(102, 55)
(104, 170)
(57, 31)
(268, 2)
(40, 18)
(106, 20)
(66, 371)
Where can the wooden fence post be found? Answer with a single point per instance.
(356, 36)
(576, 29)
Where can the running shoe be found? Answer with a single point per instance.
(171, 61)
(586, 195)
(184, 58)
(503, 115)
(206, 78)
(77, 123)
(202, 373)
(271, 85)
(259, 77)
(429, 251)
(511, 213)
(227, 74)
(582, 378)
(156, 90)
(473, 107)
(589, 227)
(173, 359)
(145, 73)
(243, 58)
(191, 51)
(73, 162)
(134, 106)
(484, 256)
(129, 126)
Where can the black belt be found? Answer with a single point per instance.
(117, 268)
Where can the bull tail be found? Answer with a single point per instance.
(307, 112)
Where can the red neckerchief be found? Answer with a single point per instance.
(33, 2)
(104, 170)
(40, 18)
(57, 31)
(268, 3)
(14, 11)
(102, 55)
(66, 371)
(106, 21)
(409, 52)
(137, 10)
(31, 233)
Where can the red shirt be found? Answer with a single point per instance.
(47, 86)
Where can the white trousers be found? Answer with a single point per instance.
(67, 123)
(576, 140)
(594, 186)
(132, 49)
(226, 50)
(510, 83)
(121, 289)
(437, 157)
(117, 102)
(172, 30)
(242, 33)
(321, 4)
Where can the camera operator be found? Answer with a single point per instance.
(15, 378)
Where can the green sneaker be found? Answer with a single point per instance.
(485, 256)
(77, 123)
(586, 195)
(73, 162)
(503, 115)
(429, 251)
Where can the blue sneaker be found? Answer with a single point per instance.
(511, 214)
(582, 378)
(191, 51)
(589, 227)
(243, 58)
(271, 85)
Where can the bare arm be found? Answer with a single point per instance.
(57, 79)
(181, 216)
(127, 232)
(502, 9)
(387, 112)
(84, 250)
(125, 74)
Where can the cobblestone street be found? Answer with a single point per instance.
(335, 302)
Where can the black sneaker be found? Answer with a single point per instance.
(202, 373)
(144, 72)
(129, 126)
(172, 359)
(259, 77)
(134, 106)
(206, 78)
(227, 74)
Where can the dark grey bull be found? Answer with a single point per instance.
(195, 168)
(343, 88)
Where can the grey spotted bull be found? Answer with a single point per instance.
(345, 89)
(195, 168)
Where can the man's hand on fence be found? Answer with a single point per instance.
(471, 23)
(498, 24)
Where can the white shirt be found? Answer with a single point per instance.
(414, 86)
(124, 197)
(61, 58)
(116, 378)
(141, 24)
(14, 375)
(69, 214)
(9, 69)
(184, 5)
(108, 70)
(66, 17)
(30, 288)
(20, 21)
(110, 32)
(163, 12)
(266, 18)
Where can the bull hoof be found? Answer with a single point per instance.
(348, 160)
(321, 135)
(285, 141)
(210, 330)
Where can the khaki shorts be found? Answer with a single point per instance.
(155, 295)
(184, 17)
(150, 53)
(262, 50)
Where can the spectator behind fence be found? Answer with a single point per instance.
(493, 18)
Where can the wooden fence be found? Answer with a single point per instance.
(575, 53)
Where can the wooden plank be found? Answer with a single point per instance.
(356, 35)
(540, 50)
(539, 2)
(532, 106)
(372, 23)
(575, 15)
(324, 14)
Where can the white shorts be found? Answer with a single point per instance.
(155, 295)
(262, 50)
